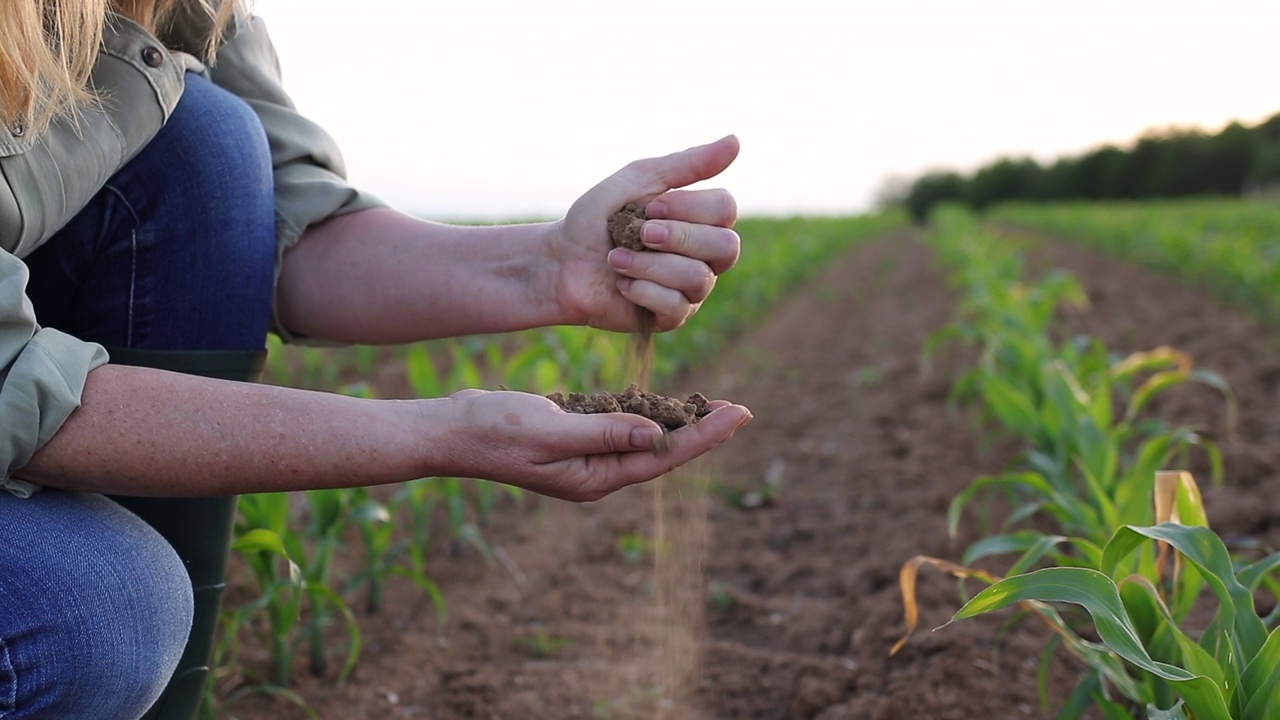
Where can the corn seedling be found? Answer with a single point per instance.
(1136, 566)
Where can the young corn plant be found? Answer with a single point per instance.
(1091, 467)
(1147, 660)
(1090, 451)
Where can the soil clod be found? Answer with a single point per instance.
(669, 412)
(624, 227)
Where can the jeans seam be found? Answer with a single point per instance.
(133, 259)
(133, 281)
(8, 695)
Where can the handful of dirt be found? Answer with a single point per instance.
(671, 413)
(624, 227)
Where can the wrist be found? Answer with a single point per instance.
(548, 287)
(429, 430)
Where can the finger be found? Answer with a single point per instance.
(716, 246)
(681, 446)
(653, 176)
(715, 206)
(669, 306)
(693, 278)
(605, 433)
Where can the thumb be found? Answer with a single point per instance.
(693, 165)
(643, 180)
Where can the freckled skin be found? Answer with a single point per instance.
(512, 419)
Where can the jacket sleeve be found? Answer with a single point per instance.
(310, 176)
(47, 178)
(42, 373)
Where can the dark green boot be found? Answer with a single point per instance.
(198, 528)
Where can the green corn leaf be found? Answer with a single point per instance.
(1097, 451)
(1020, 541)
(465, 372)
(1154, 385)
(1252, 575)
(422, 373)
(1219, 383)
(1098, 657)
(1011, 406)
(1035, 552)
(324, 594)
(260, 540)
(1177, 712)
(1100, 409)
(1259, 683)
(328, 508)
(1194, 658)
(1236, 633)
(1069, 509)
(1204, 549)
(1098, 498)
(1031, 544)
(1098, 594)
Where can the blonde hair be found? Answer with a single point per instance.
(49, 47)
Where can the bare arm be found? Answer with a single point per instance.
(378, 276)
(382, 277)
(133, 437)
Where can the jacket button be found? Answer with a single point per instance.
(18, 129)
(152, 56)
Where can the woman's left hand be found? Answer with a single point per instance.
(599, 285)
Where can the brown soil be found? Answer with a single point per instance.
(624, 230)
(624, 227)
(787, 608)
(671, 413)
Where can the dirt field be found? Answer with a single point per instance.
(775, 589)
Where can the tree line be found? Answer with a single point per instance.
(1165, 163)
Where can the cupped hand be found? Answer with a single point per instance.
(530, 442)
(692, 230)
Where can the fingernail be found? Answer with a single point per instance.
(621, 258)
(654, 235)
(644, 438)
(745, 419)
(624, 285)
(656, 209)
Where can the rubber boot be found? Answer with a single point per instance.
(199, 529)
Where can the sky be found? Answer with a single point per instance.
(508, 109)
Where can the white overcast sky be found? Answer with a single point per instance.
(508, 108)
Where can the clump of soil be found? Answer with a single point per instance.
(671, 413)
(624, 227)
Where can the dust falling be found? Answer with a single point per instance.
(675, 630)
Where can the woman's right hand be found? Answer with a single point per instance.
(528, 441)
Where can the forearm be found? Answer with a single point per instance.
(382, 277)
(148, 432)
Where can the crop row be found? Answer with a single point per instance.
(1231, 247)
(318, 560)
(1096, 523)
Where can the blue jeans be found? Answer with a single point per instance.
(176, 252)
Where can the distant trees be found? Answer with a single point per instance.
(1162, 163)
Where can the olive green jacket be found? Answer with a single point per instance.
(48, 177)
